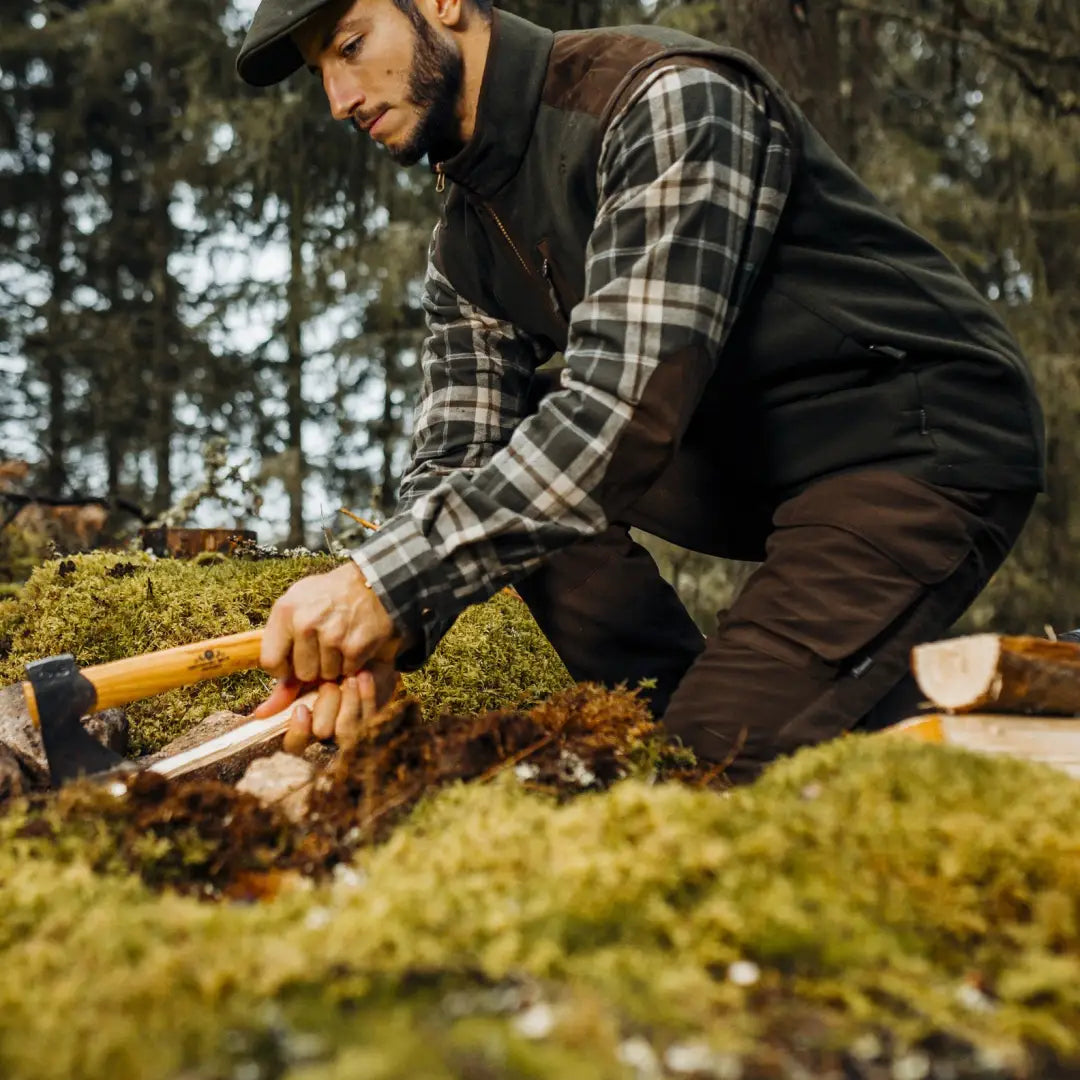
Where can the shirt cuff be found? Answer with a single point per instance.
(401, 569)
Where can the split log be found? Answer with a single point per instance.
(21, 739)
(996, 673)
(228, 769)
(12, 777)
(1052, 741)
(225, 755)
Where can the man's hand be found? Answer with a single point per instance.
(341, 709)
(324, 627)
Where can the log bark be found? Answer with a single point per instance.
(1000, 674)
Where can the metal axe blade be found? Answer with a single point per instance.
(62, 696)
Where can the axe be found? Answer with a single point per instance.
(57, 694)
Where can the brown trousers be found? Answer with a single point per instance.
(858, 569)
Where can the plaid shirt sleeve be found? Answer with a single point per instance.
(476, 373)
(693, 175)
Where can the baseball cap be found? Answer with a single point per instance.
(268, 53)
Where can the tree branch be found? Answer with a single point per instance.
(1013, 52)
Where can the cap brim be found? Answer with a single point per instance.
(268, 53)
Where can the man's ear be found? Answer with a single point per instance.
(451, 13)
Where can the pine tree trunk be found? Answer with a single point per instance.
(294, 369)
(387, 481)
(799, 43)
(164, 365)
(53, 361)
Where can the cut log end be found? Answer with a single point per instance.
(961, 673)
(999, 673)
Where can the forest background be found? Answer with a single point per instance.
(185, 262)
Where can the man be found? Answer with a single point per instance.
(760, 362)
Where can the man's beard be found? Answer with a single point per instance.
(434, 88)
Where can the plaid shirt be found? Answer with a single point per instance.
(692, 178)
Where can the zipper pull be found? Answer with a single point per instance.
(553, 295)
(440, 178)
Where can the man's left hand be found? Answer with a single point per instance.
(327, 626)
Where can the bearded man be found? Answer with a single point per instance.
(761, 362)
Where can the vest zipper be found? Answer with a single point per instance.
(440, 178)
(506, 235)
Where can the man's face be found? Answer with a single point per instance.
(395, 77)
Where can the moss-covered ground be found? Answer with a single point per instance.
(872, 908)
(865, 899)
(105, 606)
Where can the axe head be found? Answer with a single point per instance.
(63, 695)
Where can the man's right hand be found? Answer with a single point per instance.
(341, 711)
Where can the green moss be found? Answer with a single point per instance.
(20, 551)
(873, 882)
(495, 657)
(106, 606)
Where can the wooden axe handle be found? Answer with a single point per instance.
(138, 677)
(123, 681)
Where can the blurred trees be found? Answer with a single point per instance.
(182, 257)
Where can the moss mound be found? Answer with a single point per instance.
(495, 657)
(861, 906)
(105, 606)
(869, 909)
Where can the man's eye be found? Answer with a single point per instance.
(351, 48)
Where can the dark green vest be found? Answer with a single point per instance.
(860, 345)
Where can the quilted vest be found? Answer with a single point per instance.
(860, 345)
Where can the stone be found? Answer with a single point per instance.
(282, 780)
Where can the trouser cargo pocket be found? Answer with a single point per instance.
(858, 570)
(847, 558)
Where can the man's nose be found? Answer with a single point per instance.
(343, 93)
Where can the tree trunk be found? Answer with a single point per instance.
(802, 51)
(53, 362)
(294, 369)
(164, 364)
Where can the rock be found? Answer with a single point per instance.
(282, 780)
(12, 779)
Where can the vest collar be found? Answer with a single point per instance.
(510, 93)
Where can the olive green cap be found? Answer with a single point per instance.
(268, 54)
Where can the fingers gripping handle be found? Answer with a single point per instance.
(138, 677)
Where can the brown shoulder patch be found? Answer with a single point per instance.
(587, 65)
